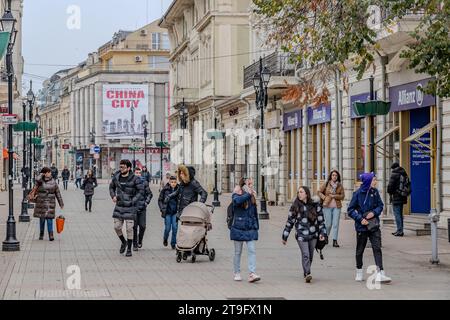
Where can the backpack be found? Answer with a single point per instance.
(404, 186)
(230, 215)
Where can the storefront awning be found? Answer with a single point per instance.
(386, 134)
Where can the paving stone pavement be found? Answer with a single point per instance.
(39, 269)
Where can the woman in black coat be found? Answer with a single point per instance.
(307, 218)
(89, 183)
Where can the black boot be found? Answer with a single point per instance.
(130, 243)
(135, 244)
(50, 236)
(141, 237)
(123, 246)
(41, 235)
(335, 244)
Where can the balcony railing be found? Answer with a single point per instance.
(278, 64)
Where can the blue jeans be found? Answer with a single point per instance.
(171, 223)
(332, 216)
(251, 256)
(398, 213)
(49, 224)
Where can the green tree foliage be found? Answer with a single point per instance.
(325, 35)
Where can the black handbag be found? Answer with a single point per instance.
(373, 225)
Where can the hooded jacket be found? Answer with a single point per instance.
(364, 200)
(144, 201)
(169, 208)
(47, 195)
(89, 184)
(188, 191)
(305, 229)
(245, 224)
(128, 194)
(394, 183)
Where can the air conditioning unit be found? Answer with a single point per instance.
(143, 32)
(138, 58)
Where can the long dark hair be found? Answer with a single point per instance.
(338, 176)
(311, 211)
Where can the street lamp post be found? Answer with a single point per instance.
(145, 125)
(37, 155)
(8, 22)
(183, 124)
(260, 83)
(24, 207)
(30, 98)
(216, 202)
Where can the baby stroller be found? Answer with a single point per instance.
(191, 236)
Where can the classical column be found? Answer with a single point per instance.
(87, 116)
(82, 117)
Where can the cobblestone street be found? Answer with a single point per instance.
(39, 270)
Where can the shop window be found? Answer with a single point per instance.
(359, 148)
(320, 151)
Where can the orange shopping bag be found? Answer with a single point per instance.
(60, 224)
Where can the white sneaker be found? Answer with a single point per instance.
(382, 278)
(237, 277)
(253, 277)
(359, 275)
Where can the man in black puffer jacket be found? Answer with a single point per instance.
(141, 219)
(189, 189)
(126, 190)
(397, 199)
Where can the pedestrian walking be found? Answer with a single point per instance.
(306, 216)
(244, 228)
(188, 191)
(398, 190)
(125, 190)
(169, 212)
(78, 177)
(54, 173)
(332, 194)
(89, 184)
(365, 208)
(65, 174)
(141, 217)
(165, 181)
(45, 207)
(145, 174)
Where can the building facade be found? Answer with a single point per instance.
(209, 48)
(109, 96)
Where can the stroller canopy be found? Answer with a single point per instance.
(196, 211)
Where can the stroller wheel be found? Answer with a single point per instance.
(185, 255)
(193, 258)
(179, 257)
(212, 254)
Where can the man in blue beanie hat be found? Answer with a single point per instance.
(365, 208)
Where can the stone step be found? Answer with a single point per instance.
(418, 229)
(416, 218)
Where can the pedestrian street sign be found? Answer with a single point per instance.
(9, 118)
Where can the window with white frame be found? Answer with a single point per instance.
(158, 62)
(165, 43)
(155, 41)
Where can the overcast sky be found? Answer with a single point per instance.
(50, 45)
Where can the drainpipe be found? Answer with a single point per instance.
(435, 212)
(384, 61)
(338, 99)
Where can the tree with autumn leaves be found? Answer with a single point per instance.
(325, 36)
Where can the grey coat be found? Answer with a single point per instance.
(129, 194)
(48, 192)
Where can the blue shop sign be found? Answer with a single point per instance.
(320, 114)
(409, 96)
(363, 97)
(292, 120)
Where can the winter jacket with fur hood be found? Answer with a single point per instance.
(188, 191)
